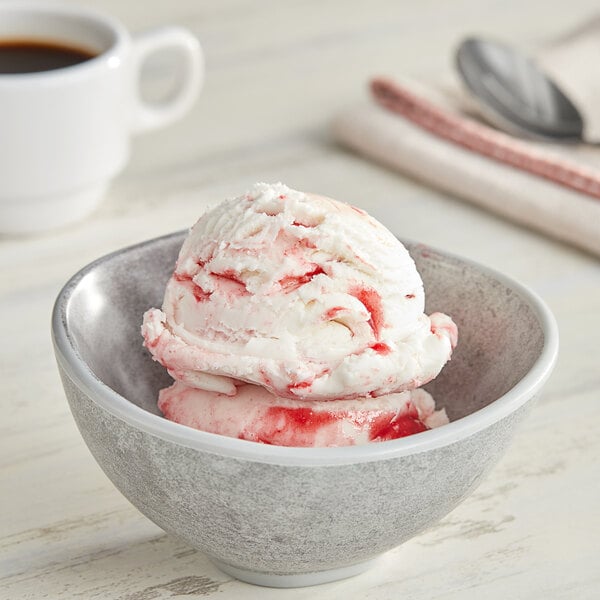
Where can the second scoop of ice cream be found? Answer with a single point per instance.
(256, 415)
(306, 296)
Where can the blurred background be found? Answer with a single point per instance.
(277, 73)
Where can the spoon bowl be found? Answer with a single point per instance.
(514, 94)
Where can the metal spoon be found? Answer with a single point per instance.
(514, 94)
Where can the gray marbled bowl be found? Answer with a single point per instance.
(296, 516)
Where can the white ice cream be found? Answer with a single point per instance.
(308, 297)
(256, 415)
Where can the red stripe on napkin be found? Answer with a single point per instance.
(482, 139)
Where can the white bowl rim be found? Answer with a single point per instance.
(109, 400)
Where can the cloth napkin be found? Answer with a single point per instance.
(571, 62)
(432, 132)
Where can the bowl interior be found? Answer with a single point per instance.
(500, 336)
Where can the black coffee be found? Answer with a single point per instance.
(32, 56)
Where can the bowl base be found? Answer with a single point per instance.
(294, 580)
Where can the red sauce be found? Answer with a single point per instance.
(383, 430)
(290, 283)
(199, 294)
(230, 275)
(300, 224)
(358, 210)
(381, 348)
(302, 385)
(333, 312)
(290, 426)
(230, 283)
(371, 300)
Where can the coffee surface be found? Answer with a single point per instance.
(33, 56)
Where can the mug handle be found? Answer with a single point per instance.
(149, 116)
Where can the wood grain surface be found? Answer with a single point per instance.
(276, 74)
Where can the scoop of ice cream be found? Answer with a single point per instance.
(257, 415)
(309, 297)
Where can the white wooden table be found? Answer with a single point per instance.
(277, 72)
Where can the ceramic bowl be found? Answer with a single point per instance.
(296, 516)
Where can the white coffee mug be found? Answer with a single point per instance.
(65, 133)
